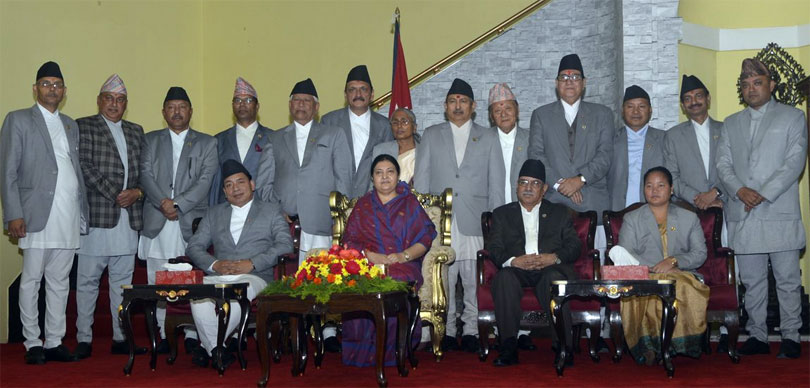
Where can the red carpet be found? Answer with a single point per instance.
(456, 370)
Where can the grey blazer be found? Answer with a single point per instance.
(770, 164)
(682, 158)
(379, 132)
(28, 168)
(685, 240)
(259, 146)
(477, 185)
(264, 237)
(520, 152)
(195, 171)
(304, 190)
(593, 151)
(617, 175)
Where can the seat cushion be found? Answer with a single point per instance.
(722, 298)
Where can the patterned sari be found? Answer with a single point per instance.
(384, 228)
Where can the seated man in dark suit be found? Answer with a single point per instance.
(248, 236)
(533, 243)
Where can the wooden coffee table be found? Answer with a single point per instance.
(379, 305)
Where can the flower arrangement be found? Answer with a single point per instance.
(337, 270)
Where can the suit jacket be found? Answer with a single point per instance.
(618, 172)
(556, 234)
(477, 185)
(379, 131)
(770, 164)
(104, 173)
(304, 190)
(593, 151)
(520, 152)
(260, 168)
(264, 237)
(682, 158)
(28, 168)
(685, 241)
(195, 170)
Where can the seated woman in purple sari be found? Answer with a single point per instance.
(391, 227)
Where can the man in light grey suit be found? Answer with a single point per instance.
(514, 140)
(637, 147)
(248, 235)
(44, 207)
(312, 160)
(690, 148)
(574, 140)
(363, 128)
(762, 153)
(248, 142)
(177, 166)
(467, 158)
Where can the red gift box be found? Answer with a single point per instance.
(194, 276)
(625, 272)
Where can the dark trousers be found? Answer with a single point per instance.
(507, 291)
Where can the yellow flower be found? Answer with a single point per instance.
(338, 279)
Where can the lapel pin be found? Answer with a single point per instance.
(715, 137)
(475, 139)
(545, 215)
(258, 148)
(649, 146)
(520, 148)
(188, 144)
(259, 136)
(672, 228)
(312, 140)
(583, 126)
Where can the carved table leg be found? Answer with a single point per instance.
(152, 328)
(559, 326)
(123, 315)
(317, 328)
(413, 305)
(668, 317)
(263, 342)
(381, 327)
(403, 339)
(295, 334)
(244, 304)
(617, 335)
(223, 313)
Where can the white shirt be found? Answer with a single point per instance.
(702, 133)
(244, 136)
(507, 141)
(361, 126)
(635, 155)
(238, 218)
(301, 136)
(531, 225)
(570, 110)
(460, 136)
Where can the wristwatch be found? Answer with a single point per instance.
(558, 261)
(582, 178)
(407, 256)
(719, 193)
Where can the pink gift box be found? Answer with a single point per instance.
(625, 272)
(194, 276)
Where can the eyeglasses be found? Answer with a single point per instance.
(570, 77)
(403, 122)
(246, 100)
(49, 85)
(109, 99)
(535, 183)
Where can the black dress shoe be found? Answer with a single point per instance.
(190, 344)
(789, 349)
(507, 353)
(469, 343)
(199, 357)
(162, 347)
(722, 344)
(569, 359)
(83, 350)
(232, 343)
(122, 347)
(449, 344)
(59, 353)
(524, 342)
(754, 346)
(227, 358)
(602, 346)
(332, 345)
(35, 356)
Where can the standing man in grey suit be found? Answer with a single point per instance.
(248, 235)
(312, 160)
(762, 152)
(690, 148)
(363, 128)
(637, 147)
(467, 158)
(44, 206)
(110, 154)
(247, 141)
(177, 166)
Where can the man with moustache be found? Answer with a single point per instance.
(533, 242)
(364, 129)
(177, 166)
(467, 158)
(248, 142)
(44, 207)
(762, 152)
(690, 148)
(636, 148)
(110, 154)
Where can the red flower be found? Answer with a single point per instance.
(330, 278)
(352, 267)
(334, 250)
(348, 254)
(336, 268)
(301, 275)
(313, 270)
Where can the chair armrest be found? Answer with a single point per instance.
(481, 258)
(434, 272)
(728, 253)
(594, 255)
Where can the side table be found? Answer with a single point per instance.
(150, 294)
